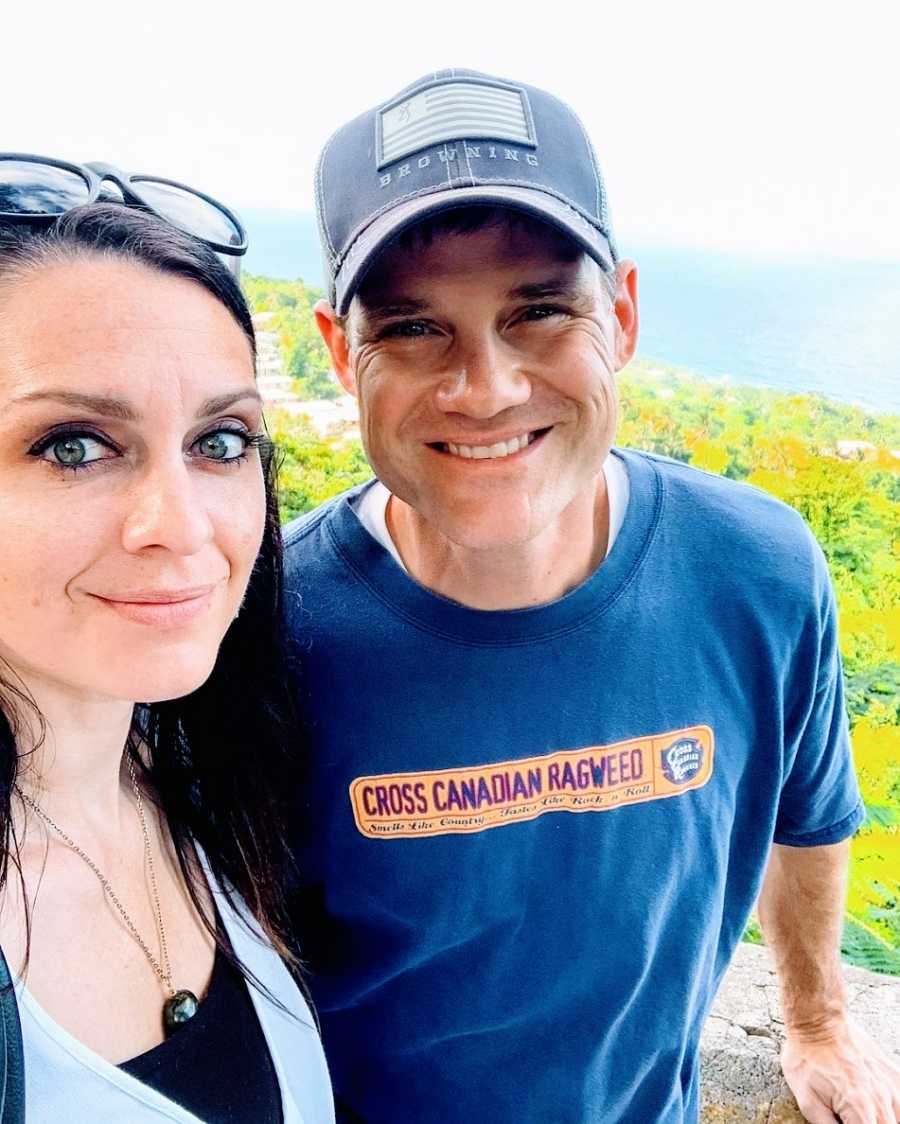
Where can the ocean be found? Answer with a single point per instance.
(798, 325)
(831, 327)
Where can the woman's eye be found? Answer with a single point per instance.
(74, 450)
(223, 445)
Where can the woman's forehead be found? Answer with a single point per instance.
(91, 289)
(95, 313)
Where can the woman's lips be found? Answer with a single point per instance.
(162, 608)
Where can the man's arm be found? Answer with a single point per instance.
(834, 1069)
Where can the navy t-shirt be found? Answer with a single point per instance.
(529, 840)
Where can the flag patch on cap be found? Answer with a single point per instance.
(453, 111)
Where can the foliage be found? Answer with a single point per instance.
(874, 893)
(864, 948)
(788, 445)
(753, 933)
(312, 468)
(287, 306)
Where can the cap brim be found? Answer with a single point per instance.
(378, 234)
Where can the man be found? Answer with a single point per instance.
(561, 698)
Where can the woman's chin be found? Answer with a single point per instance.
(165, 684)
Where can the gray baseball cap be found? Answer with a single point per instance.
(452, 139)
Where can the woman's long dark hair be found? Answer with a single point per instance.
(222, 761)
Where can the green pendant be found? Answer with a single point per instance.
(179, 1009)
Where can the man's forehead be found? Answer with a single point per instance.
(539, 257)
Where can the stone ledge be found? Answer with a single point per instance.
(741, 1080)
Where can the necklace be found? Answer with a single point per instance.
(181, 1006)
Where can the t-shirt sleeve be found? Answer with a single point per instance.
(820, 801)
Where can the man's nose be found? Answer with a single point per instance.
(487, 378)
(167, 509)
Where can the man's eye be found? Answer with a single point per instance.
(406, 329)
(223, 445)
(542, 312)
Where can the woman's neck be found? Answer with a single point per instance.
(74, 771)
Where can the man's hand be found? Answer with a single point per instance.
(842, 1074)
(836, 1071)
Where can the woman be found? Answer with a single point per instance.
(143, 732)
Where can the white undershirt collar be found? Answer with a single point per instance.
(371, 504)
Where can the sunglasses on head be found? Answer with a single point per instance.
(37, 190)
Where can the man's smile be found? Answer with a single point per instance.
(495, 450)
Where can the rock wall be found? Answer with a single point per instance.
(740, 1076)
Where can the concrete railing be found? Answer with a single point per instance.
(741, 1077)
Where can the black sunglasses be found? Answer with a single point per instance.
(38, 189)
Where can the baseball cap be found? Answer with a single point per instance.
(455, 138)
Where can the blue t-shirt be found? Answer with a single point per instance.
(530, 839)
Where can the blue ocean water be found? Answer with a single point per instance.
(831, 327)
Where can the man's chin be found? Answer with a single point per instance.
(491, 530)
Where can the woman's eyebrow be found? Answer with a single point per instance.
(223, 401)
(96, 403)
(122, 411)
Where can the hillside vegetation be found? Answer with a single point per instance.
(837, 465)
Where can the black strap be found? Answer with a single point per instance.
(12, 1064)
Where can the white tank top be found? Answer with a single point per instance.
(67, 1082)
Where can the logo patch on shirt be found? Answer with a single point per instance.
(682, 761)
(596, 779)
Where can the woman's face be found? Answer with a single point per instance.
(132, 504)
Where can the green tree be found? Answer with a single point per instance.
(290, 307)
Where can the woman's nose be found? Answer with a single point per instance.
(168, 510)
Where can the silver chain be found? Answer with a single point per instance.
(164, 970)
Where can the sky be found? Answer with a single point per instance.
(765, 127)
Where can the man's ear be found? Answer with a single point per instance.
(337, 343)
(626, 310)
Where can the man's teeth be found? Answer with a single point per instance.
(485, 452)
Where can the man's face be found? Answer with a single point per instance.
(484, 364)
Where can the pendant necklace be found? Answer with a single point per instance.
(181, 1006)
